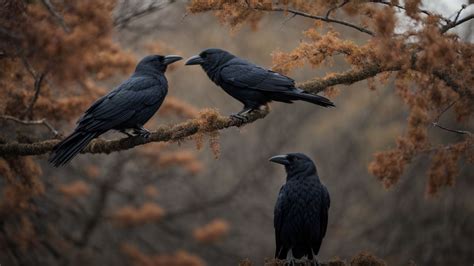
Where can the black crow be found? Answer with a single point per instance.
(128, 106)
(301, 210)
(252, 85)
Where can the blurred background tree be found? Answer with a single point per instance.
(407, 115)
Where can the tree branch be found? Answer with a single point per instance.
(336, 7)
(456, 23)
(209, 121)
(325, 19)
(59, 19)
(319, 84)
(123, 20)
(463, 132)
(403, 8)
(31, 122)
(436, 122)
(38, 81)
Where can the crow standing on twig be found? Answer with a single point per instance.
(301, 210)
(129, 106)
(252, 85)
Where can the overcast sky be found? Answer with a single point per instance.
(446, 8)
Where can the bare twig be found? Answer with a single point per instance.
(38, 81)
(452, 130)
(201, 206)
(436, 122)
(32, 122)
(38, 78)
(459, 13)
(286, 20)
(122, 21)
(100, 205)
(456, 23)
(403, 8)
(336, 7)
(59, 19)
(28, 67)
(325, 19)
(446, 109)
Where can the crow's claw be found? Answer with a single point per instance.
(241, 118)
(143, 132)
(126, 133)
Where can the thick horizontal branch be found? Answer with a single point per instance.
(319, 84)
(208, 122)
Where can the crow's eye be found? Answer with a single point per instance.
(204, 55)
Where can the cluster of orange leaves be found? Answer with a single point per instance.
(149, 212)
(74, 189)
(420, 54)
(72, 59)
(212, 232)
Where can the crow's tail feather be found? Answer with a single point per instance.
(64, 151)
(312, 98)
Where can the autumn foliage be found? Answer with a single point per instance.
(430, 67)
(57, 57)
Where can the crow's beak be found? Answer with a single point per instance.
(194, 60)
(281, 159)
(170, 59)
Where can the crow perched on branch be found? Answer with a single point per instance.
(252, 85)
(129, 106)
(301, 210)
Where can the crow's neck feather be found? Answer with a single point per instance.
(145, 70)
(298, 172)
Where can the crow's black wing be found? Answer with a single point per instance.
(324, 211)
(319, 216)
(247, 75)
(122, 103)
(282, 208)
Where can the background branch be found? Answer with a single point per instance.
(325, 19)
(59, 19)
(32, 122)
(456, 23)
(38, 82)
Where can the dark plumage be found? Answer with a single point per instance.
(128, 106)
(252, 85)
(301, 210)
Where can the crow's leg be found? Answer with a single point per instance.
(141, 131)
(124, 131)
(242, 115)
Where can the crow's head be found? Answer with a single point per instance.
(156, 62)
(210, 58)
(295, 163)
